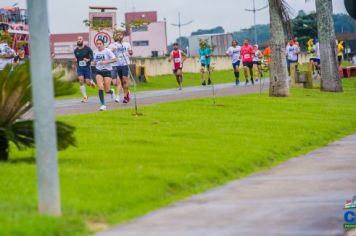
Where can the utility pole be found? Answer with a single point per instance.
(180, 25)
(255, 10)
(43, 106)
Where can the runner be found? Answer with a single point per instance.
(292, 51)
(21, 56)
(205, 59)
(296, 43)
(122, 51)
(103, 59)
(311, 53)
(7, 54)
(267, 55)
(83, 56)
(257, 61)
(247, 53)
(340, 51)
(317, 56)
(235, 53)
(177, 57)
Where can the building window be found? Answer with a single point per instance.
(140, 43)
(140, 28)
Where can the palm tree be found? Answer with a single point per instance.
(279, 17)
(15, 101)
(330, 80)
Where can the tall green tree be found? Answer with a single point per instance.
(279, 17)
(330, 80)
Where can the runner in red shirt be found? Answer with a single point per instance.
(177, 58)
(247, 53)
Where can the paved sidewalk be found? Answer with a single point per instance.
(74, 106)
(302, 197)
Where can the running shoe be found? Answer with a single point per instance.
(117, 99)
(126, 98)
(209, 81)
(102, 108)
(180, 87)
(85, 99)
(237, 82)
(252, 81)
(204, 83)
(246, 83)
(112, 94)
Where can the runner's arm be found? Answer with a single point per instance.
(130, 50)
(91, 55)
(228, 53)
(75, 56)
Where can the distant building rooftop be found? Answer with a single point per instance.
(102, 8)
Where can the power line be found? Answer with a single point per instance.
(255, 10)
(180, 25)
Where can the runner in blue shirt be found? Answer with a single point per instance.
(205, 59)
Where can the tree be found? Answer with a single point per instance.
(330, 80)
(279, 17)
(350, 6)
(304, 27)
(263, 33)
(184, 43)
(216, 30)
(16, 100)
(344, 23)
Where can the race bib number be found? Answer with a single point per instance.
(177, 60)
(247, 56)
(82, 63)
(202, 58)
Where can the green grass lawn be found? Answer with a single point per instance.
(126, 166)
(169, 81)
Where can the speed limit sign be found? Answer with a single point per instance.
(104, 36)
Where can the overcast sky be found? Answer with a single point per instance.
(66, 16)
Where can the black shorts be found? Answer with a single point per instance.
(315, 60)
(257, 63)
(248, 64)
(205, 65)
(339, 58)
(84, 72)
(104, 73)
(120, 71)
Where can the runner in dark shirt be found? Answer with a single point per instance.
(83, 55)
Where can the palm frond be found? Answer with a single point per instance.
(284, 12)
(15, 93)
(16, 100)
(21, 134)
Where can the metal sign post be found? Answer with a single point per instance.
(43, 106)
